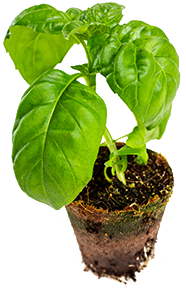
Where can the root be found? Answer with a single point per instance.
(145, 256)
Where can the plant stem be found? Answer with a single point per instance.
(86, 51)
(112, 148)
(91, 82)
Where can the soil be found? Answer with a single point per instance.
(143, 182)
(116, 226)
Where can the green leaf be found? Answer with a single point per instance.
(56, 138)
(35, 41)
(73, 13)
(109, 14)
(112, 162)
(82, 30)
(42, 18)
(103, 49)
(158, 131)
(75, 27)
(135, 138)
(33, 52)
(83, 68)
(122, 162)
(137, 30)
(100, 18)
(141, 66)
(140, 152)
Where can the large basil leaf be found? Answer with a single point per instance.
(33, 52)
(56, 138)
(141, 66)
(35, 41)
(42, 18)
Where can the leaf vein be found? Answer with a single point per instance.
(75, 122)
(52, 112)
(62, 190)
(20, 150)
(75, 180)
(147, 110)
(88, 107)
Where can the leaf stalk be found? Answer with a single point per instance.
(112, 148)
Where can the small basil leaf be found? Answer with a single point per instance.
(140, 152)
(73, 13)
(56, 138)
(109, 162)
(82, 68)
(141, 160)
(33, 52)
(109, 14)
(82, 30)
(114, 160)
(97, 28)
(122, 162)
(75, 27)
(100, 18)
(135, 138)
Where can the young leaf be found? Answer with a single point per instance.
(35, 41)
(135, 138)
(83, 68)
(100, 18)
(73, 13)
(107, 13)
(112, 162)
(141, 66)
(82, 30)
(140, 152)
(75, 27)
(56, 138)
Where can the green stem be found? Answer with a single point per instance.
(86, 51)
(91, 82)
(112, 148)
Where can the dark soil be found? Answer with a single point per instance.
(143, 183)
(116, 226)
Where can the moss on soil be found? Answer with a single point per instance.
(145, 184)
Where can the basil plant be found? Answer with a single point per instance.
(60, 122)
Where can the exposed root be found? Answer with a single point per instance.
(146, 256)
(105, 275)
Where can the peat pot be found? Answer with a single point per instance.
(120, 242)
